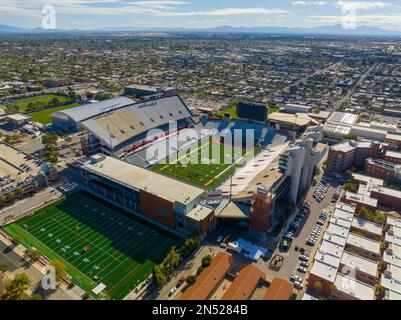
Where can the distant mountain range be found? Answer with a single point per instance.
(323, 30)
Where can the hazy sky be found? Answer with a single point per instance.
(89, 14)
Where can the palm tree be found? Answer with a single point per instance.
(16, 288)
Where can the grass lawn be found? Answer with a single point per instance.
(44, 116)
(206, 164)
(45, 99)
(122, 251)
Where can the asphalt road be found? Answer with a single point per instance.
(25, 205)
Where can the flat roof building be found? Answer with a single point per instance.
(162, 200)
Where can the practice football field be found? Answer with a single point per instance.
(206, 164)
(122, 251)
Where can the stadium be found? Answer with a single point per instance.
(157, 154)
(151, 133)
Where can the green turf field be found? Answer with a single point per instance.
(45, 99)
(44, 116)
(206, 164)
(122, 251)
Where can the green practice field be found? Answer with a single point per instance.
(206, 164)
(122, 252)
(44, 99)
(44, 116)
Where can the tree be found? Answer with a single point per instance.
(59, 267)
(36, 296)
(16, 288)
(318, 286)
(207, 260)
(19, 192)
(16, 241)
(191, 280)
(333, 290)
(171, 262)
(32, 254)
(189, 246)
(3, 268)
(158, 275)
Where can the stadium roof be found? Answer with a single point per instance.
(114, 128)
(279, 289)
(142, 179)
(244, 284)
(209, 278)
(91, 110)
(299, 119)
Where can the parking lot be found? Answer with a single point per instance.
(307, 224)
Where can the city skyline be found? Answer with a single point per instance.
(98, 14)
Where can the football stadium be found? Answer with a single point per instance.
(106, 253)
(158, 161)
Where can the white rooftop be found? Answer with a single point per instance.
(367, 226)
(334, 238)
(344, 215)
(343, 118)
(146, 180)
(364, 243)
(359, 263)
(324, 271)
(346, 207)
(338, 230)
(355, 288)
(367, 179)
(331, 248)
(340, 222)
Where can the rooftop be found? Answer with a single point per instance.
(199, 213)
(361, 198)
(367, 226)
(244, 283)
(349, 145)
(343, 118)
(279, 289)
(367, 179)
(209, 278)
(90, 110)
(359, 263)
(146, 180)
(354, 288)
(324, 271)
(299, 119)
(364, 243)
(16, 164)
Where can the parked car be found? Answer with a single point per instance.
(301, 269)
(172, 291)
(295, 277)
(298, 285)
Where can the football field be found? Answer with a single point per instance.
(206, 164)
(98, 244)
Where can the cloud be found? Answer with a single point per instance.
(387, 21)
(362, 5)
(224, 12)
(308, 3)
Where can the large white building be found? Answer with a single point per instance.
(298, 162)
